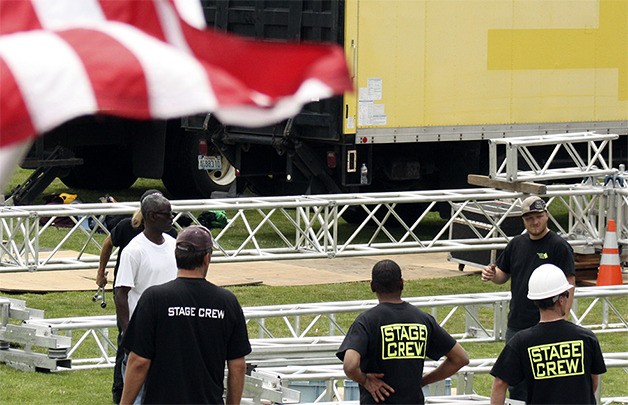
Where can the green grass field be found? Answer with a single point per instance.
(94, 386)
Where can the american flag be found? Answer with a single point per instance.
(145, 59)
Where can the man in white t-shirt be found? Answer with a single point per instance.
(148, 259)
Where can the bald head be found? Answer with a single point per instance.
(154, 203)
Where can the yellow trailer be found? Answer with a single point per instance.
(436, 70)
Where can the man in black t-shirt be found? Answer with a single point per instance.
(559, 361)
(182, 333)
(386, 347)
(524, 253)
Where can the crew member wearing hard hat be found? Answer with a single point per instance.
(561, 362)
(524, 253)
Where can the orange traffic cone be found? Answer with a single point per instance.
(610, 270)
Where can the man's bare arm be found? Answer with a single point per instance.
(498, 393)
(236, 369)
(122, 306)
(595, 379)
(373, 382)
(135, 376)
(455, 359)
(105, 254)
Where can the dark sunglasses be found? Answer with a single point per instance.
(167, 213)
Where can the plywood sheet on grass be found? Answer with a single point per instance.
(274, 273)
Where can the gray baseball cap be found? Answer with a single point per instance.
(533, 204)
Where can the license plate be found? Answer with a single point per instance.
(209, 162)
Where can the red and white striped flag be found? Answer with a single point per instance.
(145, 59)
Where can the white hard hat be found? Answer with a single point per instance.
(547, 281)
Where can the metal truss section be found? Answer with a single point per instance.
(527, 158)
(468, 317)
(310, 333)
(459, 314)
(30, 337)
(475, 400)
(619, 193)
(260, 391)
(301, 227)
(332, 374)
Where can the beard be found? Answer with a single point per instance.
(537, 231)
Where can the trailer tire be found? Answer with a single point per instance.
(103, 168)
(182, 177)
(207, 181)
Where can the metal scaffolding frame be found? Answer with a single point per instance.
(281, 364)
(526, 153)
(308, 226)
(305, 333)
(473, 400)
(332, 374)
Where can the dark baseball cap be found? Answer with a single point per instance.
(150, 192)
(533, 204)
(195, 238)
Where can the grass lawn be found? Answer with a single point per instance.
(93, 386)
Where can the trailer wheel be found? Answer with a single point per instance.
(182, 177)
(208, 181)
(103, 168)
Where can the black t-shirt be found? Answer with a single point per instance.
(123, 233)
(556, 359)
(520, 258)
(188, 328)
(395, 339)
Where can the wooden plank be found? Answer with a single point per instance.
(274, 273)
(527, 187)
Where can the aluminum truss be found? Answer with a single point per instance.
(57, 345)
(300, 227)
(308, 226)
(280, 361)
(331, 374)
(527, 158)
(310, 333)
(468, 317)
